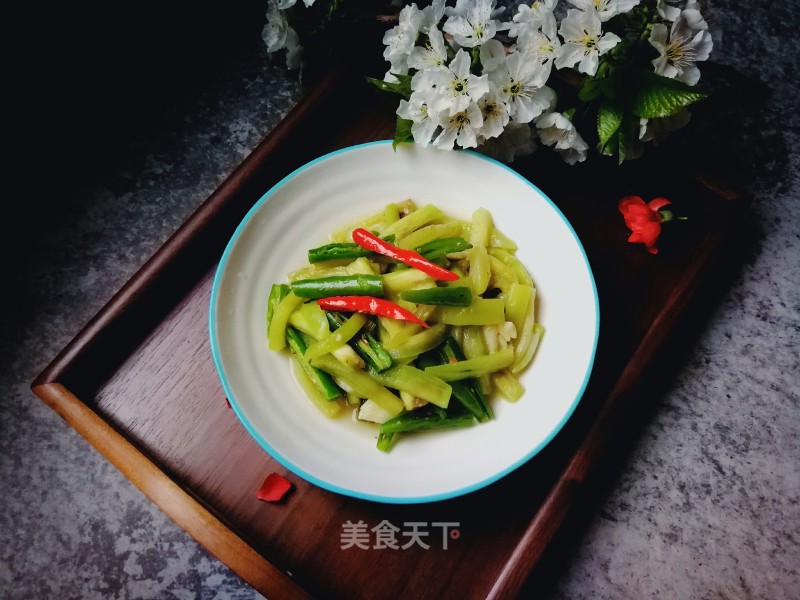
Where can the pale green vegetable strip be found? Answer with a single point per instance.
(310, 319)
(473, 367)
(482, 311)
(280, 318)
(482, 227)
(413, 346)
(428, 234)
(413, 221)
(327, 407)
(502, 275)
(405, 279)
(496, 240)
(529, 350)
(373, 222)
(474, 346)
(394, 332)
(479, 269)
(362, 266)
(348, 356)
(512, 261)
(329, 268)
(518, 299)
(391, 213)
(360, 383)
(411, 380)
(525, 336)
(508, 386)
(500, 240)
(338, 338)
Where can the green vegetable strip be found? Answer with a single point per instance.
(418, 343)
(277, 293)
(340, 251)
(310, 319)
(338, 338)
(406, 378)
(526, 355)
(346, 285)
(374, 355)
(482, 227)
(473, 367)
(276, 335)
(518, 300)
(449, 296)
(508, 386)
(330, 408)
(386, 441)
(413, 221)
(430, 233)
(442, 247)
(321, 380)
(482, 311)
(467, 391)
(391, 213)
(480, 269)
(360, 383)
(405, 279)
(426, 418)
(512, 261)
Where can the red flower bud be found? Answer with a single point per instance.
(643, 219)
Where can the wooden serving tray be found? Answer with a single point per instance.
(139, 383)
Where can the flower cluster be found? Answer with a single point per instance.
(611, 73)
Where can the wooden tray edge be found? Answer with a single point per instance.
(150, 271)
(171, 498)
(575, 479)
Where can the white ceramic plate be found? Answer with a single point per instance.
(339, 454)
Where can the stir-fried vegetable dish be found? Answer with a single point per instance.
(413, 319)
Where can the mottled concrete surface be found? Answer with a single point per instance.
(706, 503)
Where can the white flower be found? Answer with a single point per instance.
(606, 8)
(656, 130)
(668, 9)
(531, 16)
(431, 15)
(278, 35)
(520, 85)
(456, 87)
(400, 39)
(558, 131)
(430, 56)
(461, 127)
(492, 55)
(416, 110)
(541, 43)
(517, 140)
(687, 42)
(470, 22)
(584, 41)
(495, 114)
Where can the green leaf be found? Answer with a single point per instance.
(609, 120)
(402, 87)
(658, 96)
(590, 90)
(402, 131)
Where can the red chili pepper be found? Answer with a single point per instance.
(365, 239)
(370, 305)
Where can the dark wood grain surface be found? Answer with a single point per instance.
(140, 384)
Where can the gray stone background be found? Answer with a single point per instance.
(706, 503)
